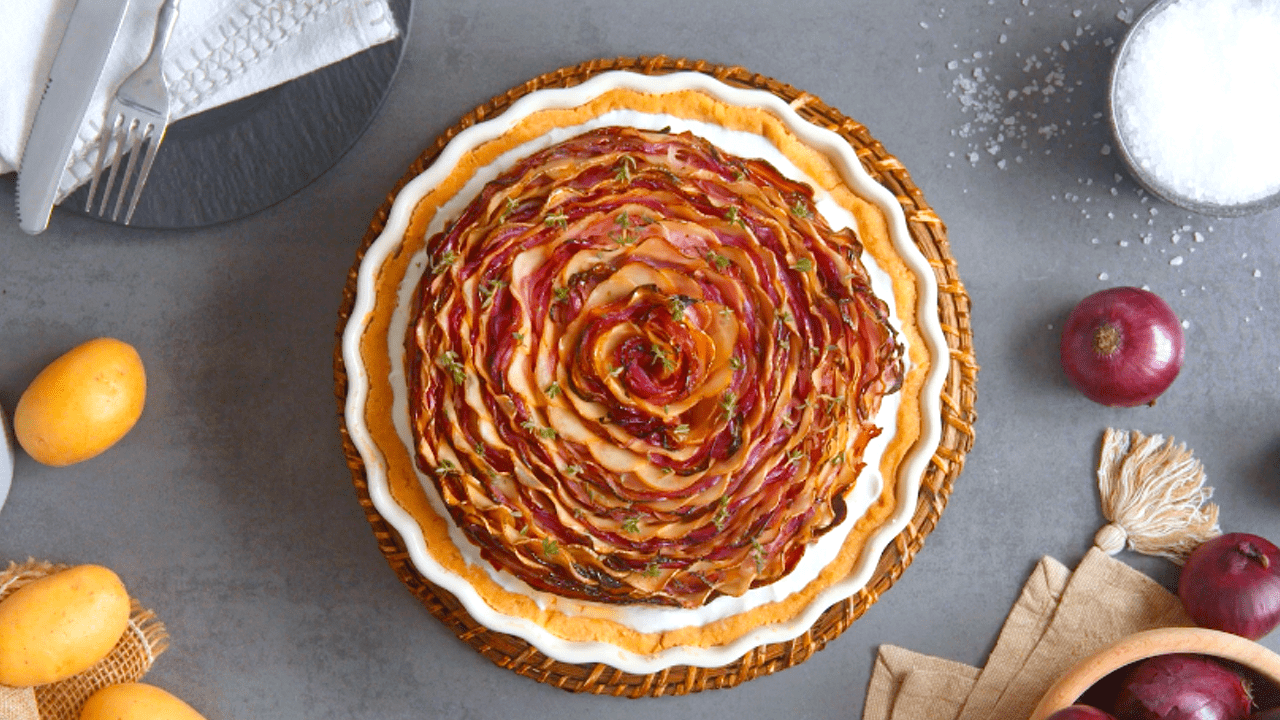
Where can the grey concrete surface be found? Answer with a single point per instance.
(230, 511)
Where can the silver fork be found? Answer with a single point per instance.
(139, 115)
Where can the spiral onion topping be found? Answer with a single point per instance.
(645, 371)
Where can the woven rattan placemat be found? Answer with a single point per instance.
(958, 396)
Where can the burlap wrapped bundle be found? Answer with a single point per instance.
(128, 661)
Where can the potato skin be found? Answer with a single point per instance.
(60, 625)
(136, 701)
(82, 403)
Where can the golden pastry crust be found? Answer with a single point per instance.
(568, 620)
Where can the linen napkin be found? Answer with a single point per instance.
(1059, 618)
(1153, 494)
(220, 51)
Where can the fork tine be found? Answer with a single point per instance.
(121, 136)
(135, 144)
(153, 144)
(104, 140)
(141, 106)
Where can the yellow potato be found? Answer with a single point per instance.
(136, 701)
(82, 403)
(61, 624)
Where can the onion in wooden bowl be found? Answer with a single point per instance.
(1256, 660)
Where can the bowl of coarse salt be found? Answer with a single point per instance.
(1194, 103)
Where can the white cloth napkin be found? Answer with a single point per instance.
(220, 51)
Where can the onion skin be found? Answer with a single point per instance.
(1183, 687)
(1122, 347)
(1232, 583)
(1081, 712)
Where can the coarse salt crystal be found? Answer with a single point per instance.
(1176, 261)
(1195, 99)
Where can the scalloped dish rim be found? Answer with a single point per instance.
(910, 471)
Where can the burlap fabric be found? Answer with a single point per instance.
(138, 648)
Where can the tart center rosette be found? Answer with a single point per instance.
(645, 371)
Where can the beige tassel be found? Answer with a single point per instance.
(1154, 496)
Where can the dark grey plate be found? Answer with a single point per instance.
(235, 160)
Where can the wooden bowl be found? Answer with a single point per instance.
(1150, 643)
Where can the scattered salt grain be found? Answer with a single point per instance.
(1257, 273)
(1202, 70)
(1176, 261)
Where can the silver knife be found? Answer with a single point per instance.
(91, 31)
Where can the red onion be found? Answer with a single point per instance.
(1183, 687)
(1122, 346)
(1080, 712)
(1232, 583)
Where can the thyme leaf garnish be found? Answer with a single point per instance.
(546, 433)
(659, 354)
(729, 403)
(443, 262)
(626, 166)
(722, 513)
(803, 265)
(720, 261)
(489, 289)
(451, 364)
